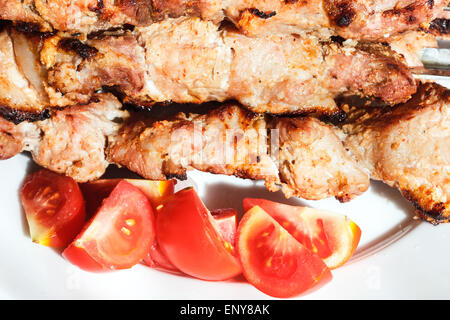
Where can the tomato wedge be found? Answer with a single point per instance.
(273, 261)
(96, 191)
(332, 236)
(190, 238)
(118, 236)
(155, 258)
(54, 208)
(227, 222)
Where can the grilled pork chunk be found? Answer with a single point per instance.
(357, 19)
(21, 75)
(409, 148)
(411, 45)
(71, 142)
(302, 155)
(190, 61)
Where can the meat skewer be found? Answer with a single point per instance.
(356, 19)
(406, 147)
(190, 61)
(302, 155)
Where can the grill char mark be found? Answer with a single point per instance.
(17, 116)
(441, 26)
(99, 8)
(80, 48)
(344, 14)
(406, 12)
(262, 14)
(434, 216)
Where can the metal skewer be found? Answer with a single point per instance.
(436, 61)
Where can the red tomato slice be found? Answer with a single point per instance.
(332, 236)
(155, 258)
(227, 222)
(118, 236)
(273, 261)
(96, 191)
(54, 208)
(190, 238)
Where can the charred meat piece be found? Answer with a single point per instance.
(408, 148)
(190, 61)
(382, 19)
(228, 140)
(350, 19)
(71, 142)
(440, 27)
(76, 15)
(13, 137)
(313, 164)
(302, 155)
(21, 76)
(357, 19)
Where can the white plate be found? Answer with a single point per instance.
(398, 257)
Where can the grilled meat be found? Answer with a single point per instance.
(406, 147)
(357, 19)
(382, 19)
(303, 155)
(71, 142)
(13, 137)
(190, 61)
(444, 14)
(21, 85)
(409, 148)
(411, 45)
(440, 28)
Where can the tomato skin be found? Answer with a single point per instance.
(118, 236)
(356, 232)
(189, 238)
(96, 191)
(273, 261)
(227, 222)
(155, 258)
(81, 258)
(332, 236)
(54, 208)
